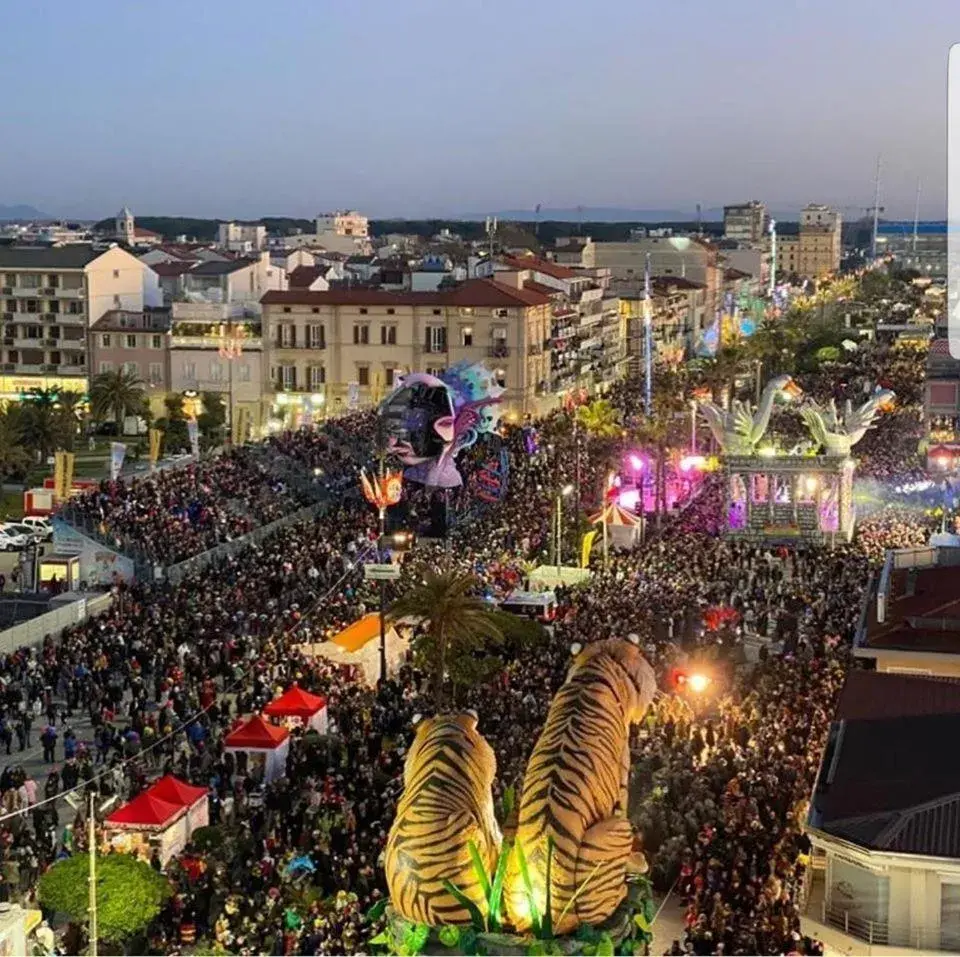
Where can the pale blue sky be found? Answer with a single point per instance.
(422, 107)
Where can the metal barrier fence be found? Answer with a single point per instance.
(177, 573)
(32, 632)
(886, 934)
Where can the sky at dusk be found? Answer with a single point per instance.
(240, 108)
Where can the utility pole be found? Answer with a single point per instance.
(876, 213)
(916, 221)
(92, 841)
(647, 337)
(772, 284)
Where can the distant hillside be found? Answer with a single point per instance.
(604, 214)
(21, 212)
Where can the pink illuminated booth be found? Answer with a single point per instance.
(298, 708)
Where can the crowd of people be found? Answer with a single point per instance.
(294, 866)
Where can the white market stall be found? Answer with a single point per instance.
(548, 577)
(622, 526)
(266, 746)
(359, 646)
(298, 708)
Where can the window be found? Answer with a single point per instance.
(106, 367)
(435, 371)
(363, 375)
(34, 332)
(29, 280)
(288, 377)
(190, 371)
(388, 335)
(76, 309)
(317, 336)
(156, 342)
(54, 359)
(243, 372)
(466, 337)
(436, 312)
(760, 487)
(216, 371)
(131, 368)
(286, 308)
(105, 340)
(391, 311)
(950, 917)
(53, 332)
(436, 339)
(318, 377)
(53, 306)
(501, 313)
(156, 373)
(53, 280)
(315, 310)
(287, 336)
(859, 891)
(361, 333)
(32, 305)
(363, 310)
(131, 342)
(116, 274)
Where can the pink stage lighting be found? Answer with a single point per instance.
(630, 499)
(636, 463)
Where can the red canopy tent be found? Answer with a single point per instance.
(145, 810)
(172, 789)
(300, 707)
(267, 744)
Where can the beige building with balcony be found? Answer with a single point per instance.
(49, 298)
(344, 348)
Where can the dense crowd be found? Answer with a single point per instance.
(295, 865)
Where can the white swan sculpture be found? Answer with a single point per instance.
(839, 432)
(739, 429)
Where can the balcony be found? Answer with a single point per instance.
(212, 342)
(49, 291)
(69, 293)
(8, 367)
(50, 342)
(50, 367)
(498, 351)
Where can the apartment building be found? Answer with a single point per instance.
(817, 248)
(345, 347)
(578, 252)
(49, 298)
(217, 347)
(344, 231)
(137, 343)
(242, 237)
(745, 222)
(234, 281)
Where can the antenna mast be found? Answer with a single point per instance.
(876, 213)
(916, 221)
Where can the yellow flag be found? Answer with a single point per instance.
(586, 548)
(156, 436)
(58, 464)
(67, 474)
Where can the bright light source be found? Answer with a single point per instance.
(942, 461)
(636, 463)
(698, 683)
(768, 451)
(691, 462)
(566, 490)
(317, 398)
(810, 483)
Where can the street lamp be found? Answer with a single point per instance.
(565, 492)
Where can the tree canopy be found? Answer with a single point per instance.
(130, 893)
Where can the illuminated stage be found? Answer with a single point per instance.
(789, 498)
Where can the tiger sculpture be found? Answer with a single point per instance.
(447, 802)
(575, 792)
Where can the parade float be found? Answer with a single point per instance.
(805, 493)
(559, 871)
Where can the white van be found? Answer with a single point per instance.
(40, 524)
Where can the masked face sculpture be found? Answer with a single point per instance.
(428, 421)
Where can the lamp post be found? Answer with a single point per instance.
(607, 485)
(693, 426)
(558, 546)
(92, 878)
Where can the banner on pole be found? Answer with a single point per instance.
(156, 437)
(353, 395)
(586, 548)
(193, 431)
(117, 453)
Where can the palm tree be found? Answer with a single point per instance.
(460, 627)
(600, 419)
(116, 394)
(14, 458)
(44, 426)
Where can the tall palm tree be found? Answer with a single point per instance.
(459, 629)
(599, 419)
(116, 394)
(14, 457)
(44, 426)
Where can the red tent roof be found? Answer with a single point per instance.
(256, 733)
(175, 791)
(146, 810)
(295, 703)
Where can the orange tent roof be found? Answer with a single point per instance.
(172, 789)
(295, 703)
(359, 633)
(145, 810)
(256, 733)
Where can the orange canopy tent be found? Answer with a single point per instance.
(300, 707)
(358, 645)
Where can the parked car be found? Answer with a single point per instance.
(41, 524)
(31, 533)
(12, 543)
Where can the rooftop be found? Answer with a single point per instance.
(922, 613)
(73, 256)
(172, 269)
(481, 293)
(123, 320)
(303, 276)
(888, 784)
(541, 265)
(216, 268)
